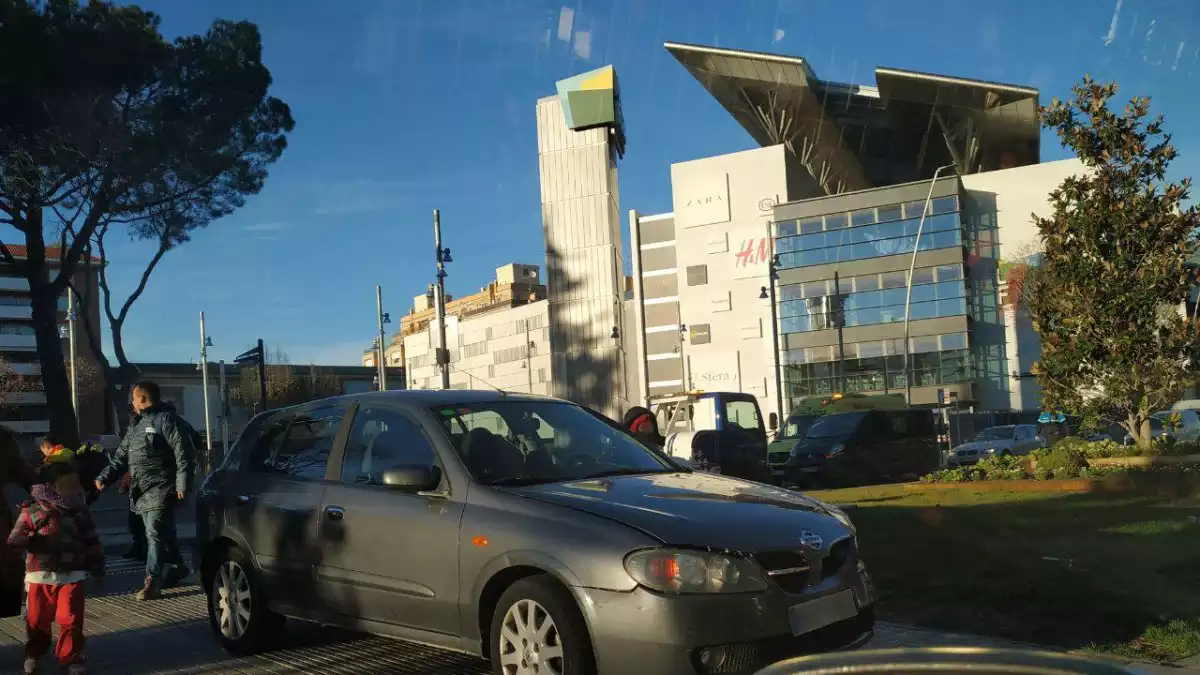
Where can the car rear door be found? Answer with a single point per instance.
(387, 555)
(274, 500)
(1024, 440)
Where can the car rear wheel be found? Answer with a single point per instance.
(537, 630)
(239, 618)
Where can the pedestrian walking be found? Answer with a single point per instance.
(159, 455)
(13, 469)
(57, 530)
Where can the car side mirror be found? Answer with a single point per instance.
(773, 421)
(412, 478)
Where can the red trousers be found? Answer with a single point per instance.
(50, 604)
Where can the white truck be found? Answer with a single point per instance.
(715, 432)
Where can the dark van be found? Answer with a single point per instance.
(864, 448)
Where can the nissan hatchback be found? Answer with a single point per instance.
(524, 530)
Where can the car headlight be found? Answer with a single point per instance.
(841, 516)
(990, 451)
(683, 571)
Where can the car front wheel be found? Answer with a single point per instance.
(537, 630)
(239, 618)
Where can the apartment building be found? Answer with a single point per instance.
(25, 412)
(497, 338)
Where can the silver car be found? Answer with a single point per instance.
(1010, 439)
(526, 530)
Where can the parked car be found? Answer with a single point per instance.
(1009, 439)
(1182, 425)
(522, 529)
(865, 447)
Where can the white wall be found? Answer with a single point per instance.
(723, 210)
(1007, 201)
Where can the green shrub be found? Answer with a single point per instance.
(1065, 460)
(1001, 468)
(1170, 446)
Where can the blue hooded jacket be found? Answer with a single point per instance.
(159, 453)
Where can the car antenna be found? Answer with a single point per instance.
(480, 379)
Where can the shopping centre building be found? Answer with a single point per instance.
(783, 271)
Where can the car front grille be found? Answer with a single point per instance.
(749, 657)
(790, 570)
(841, 551)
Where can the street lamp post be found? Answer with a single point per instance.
(383, 318)
(768, 293)
(439, 300)
(908, 286)
(71, 351)
(224, 387)
(205, 343)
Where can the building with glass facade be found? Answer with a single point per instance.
(783, 270)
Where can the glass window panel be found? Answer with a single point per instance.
(949, 272)
(820, 354)
(865, 317)
(835, 221)
(913, 209)
(815, 289)
(795, 324)
(810, 225)
(893, 280)
(793, 356)
(923, 275)
(924, 293)
(952, 307)
(789, 292)
(944, 204)
(922, 310)
(863, 217)
(870, 350)
(866, 283)
(785, 228)
(954, 341)
(892, 296)
(785, 245)
(889, 213)
(926, 344)
(815, 240)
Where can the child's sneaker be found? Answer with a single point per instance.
(30, 666)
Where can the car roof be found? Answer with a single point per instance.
(433, 397)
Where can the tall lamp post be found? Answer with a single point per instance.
(768, 293)
(439, 300)
(383, 317)
(205, 343)
(908, 286)
(71, 350)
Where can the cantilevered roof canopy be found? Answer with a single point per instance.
(851, 137)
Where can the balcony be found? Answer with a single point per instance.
(22, 342)
(28, 427)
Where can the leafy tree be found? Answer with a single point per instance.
(286, 384)
(1107, 293)
(106, 124)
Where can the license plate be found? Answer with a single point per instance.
(809, 469)
(816, 614)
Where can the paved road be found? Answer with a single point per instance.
(172, 636)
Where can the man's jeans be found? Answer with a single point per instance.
(162, 548)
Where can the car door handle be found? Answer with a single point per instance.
(335, 512)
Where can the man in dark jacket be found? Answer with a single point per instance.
(642, 425)
(157, 451)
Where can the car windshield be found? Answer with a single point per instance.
(796, 426)
(521, 442)
(996, 434)
(836, 426)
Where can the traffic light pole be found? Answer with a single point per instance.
(262, 375)
(380, 356)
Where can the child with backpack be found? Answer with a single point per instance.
(57, 531)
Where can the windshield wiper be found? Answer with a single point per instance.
(627, 472)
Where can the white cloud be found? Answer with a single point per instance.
(1112, 26)
(779, 33)
(273, 226)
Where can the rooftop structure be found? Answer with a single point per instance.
(851, 137)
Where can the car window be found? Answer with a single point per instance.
(381, 439)
(546, 441)
(483, 419)
(304, 452)
(265, 444)
(743, 414)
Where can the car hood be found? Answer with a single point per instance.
(699, 509)
(984, 445)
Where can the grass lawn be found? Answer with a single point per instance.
(1116, 573)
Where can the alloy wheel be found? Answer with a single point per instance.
(530, 643)
(231, 600)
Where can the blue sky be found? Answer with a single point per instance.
(403, 106)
